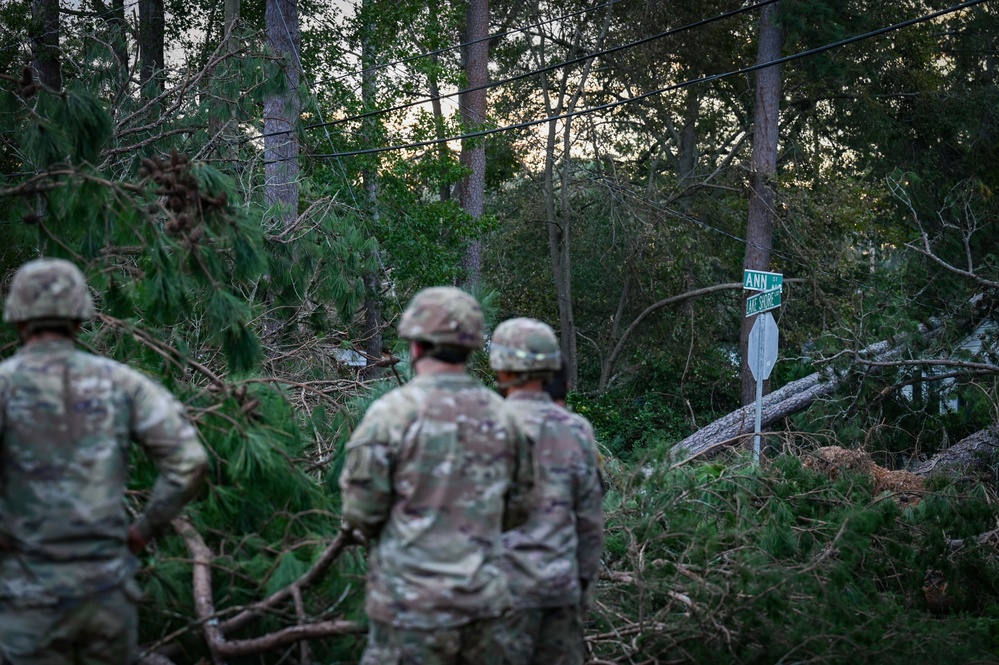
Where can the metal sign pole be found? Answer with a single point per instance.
(759, 395)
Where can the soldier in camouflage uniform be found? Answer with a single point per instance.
(552, 560)
(434, 473)
(67, 595)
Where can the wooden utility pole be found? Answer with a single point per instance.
(475, 57)
(763, 172)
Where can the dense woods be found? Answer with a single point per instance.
(255, 189)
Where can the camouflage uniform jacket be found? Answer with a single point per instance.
(433, 474)
(562, 541)
(66, 418)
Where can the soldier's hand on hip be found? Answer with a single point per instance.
(136, 541)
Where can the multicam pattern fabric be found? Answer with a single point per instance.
(548, 636)
(99, 630)
(433, 473)
(562, 541)
(443, 316)
(475, 643)
(524, 345)
(66, 419)
(48, 289)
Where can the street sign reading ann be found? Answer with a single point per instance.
(761, 302)
(757, 280)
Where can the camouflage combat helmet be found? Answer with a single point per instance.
(50, 289)
(524, 345)
(443, 316)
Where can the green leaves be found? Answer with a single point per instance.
(86, 124)
(792, 563)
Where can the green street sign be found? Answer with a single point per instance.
(757, 280)
(761, 302)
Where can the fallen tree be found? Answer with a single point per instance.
(732, 429)
(968, 457)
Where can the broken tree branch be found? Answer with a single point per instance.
(204, 602)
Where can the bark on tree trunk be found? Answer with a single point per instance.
(976, 452)
(763, 171)
(281, 113)
(152, 24)
(369, 175)
(231, 19)
(688, 138)
(119, 40)
(435, 103)
(473, 115)
(45, 42)
(232, 10)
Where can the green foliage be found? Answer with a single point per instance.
(781, 563)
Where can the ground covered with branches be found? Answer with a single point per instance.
(728, 562)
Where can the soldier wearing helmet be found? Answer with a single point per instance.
(553, 559)
(66, 420)
(434, 472)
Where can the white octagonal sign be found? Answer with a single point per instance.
(763, 346)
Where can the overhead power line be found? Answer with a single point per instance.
(447, 49)
(548, 68)
(677, 86)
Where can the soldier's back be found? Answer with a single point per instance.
(543, 554)
(437, 560)
(67, 417)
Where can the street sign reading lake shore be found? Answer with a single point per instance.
(761, 302)
(757, 280)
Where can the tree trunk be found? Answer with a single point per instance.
(119, 40)
(559, 222)
(435, 101)
(687, 148)
(796, 396)
(733, 429)
(763, 173)
(152, 25)
(232, 10)
(561, 259)
(45, 42)
(281, 114)
(369, 175)
(973, 455)
(475, 56)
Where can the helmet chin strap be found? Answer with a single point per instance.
(520, 379)
(504, 386)
(28, 329)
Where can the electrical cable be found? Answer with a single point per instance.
(670, 88)
(548, 68)
(447, 49)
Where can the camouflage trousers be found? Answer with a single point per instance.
(472, 644)
(100, 630)
(544, 636)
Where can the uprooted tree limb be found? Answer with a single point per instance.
(215, 631)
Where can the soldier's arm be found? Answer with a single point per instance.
(366, 479)
(520, 495)
(589, 512)
(160, 426)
